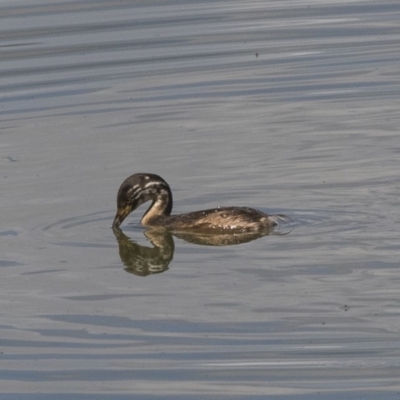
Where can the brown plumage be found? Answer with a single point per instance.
(139, 188)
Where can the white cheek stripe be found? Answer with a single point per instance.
(147, 185)
(147, 189)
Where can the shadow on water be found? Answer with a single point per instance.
(143, 260)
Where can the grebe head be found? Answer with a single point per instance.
(139, 188)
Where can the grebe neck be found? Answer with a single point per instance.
(161, 205)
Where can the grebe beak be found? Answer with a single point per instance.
(122, 213)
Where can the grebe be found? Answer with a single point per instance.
(139, 188)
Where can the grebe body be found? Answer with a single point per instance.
(142, 187)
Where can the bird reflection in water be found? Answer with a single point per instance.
(143, 260)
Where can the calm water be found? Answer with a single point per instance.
(289, 107)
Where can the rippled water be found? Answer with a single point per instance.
(288, 107)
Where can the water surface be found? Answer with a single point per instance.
(288, 107)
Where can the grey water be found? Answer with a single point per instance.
(287, 107)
